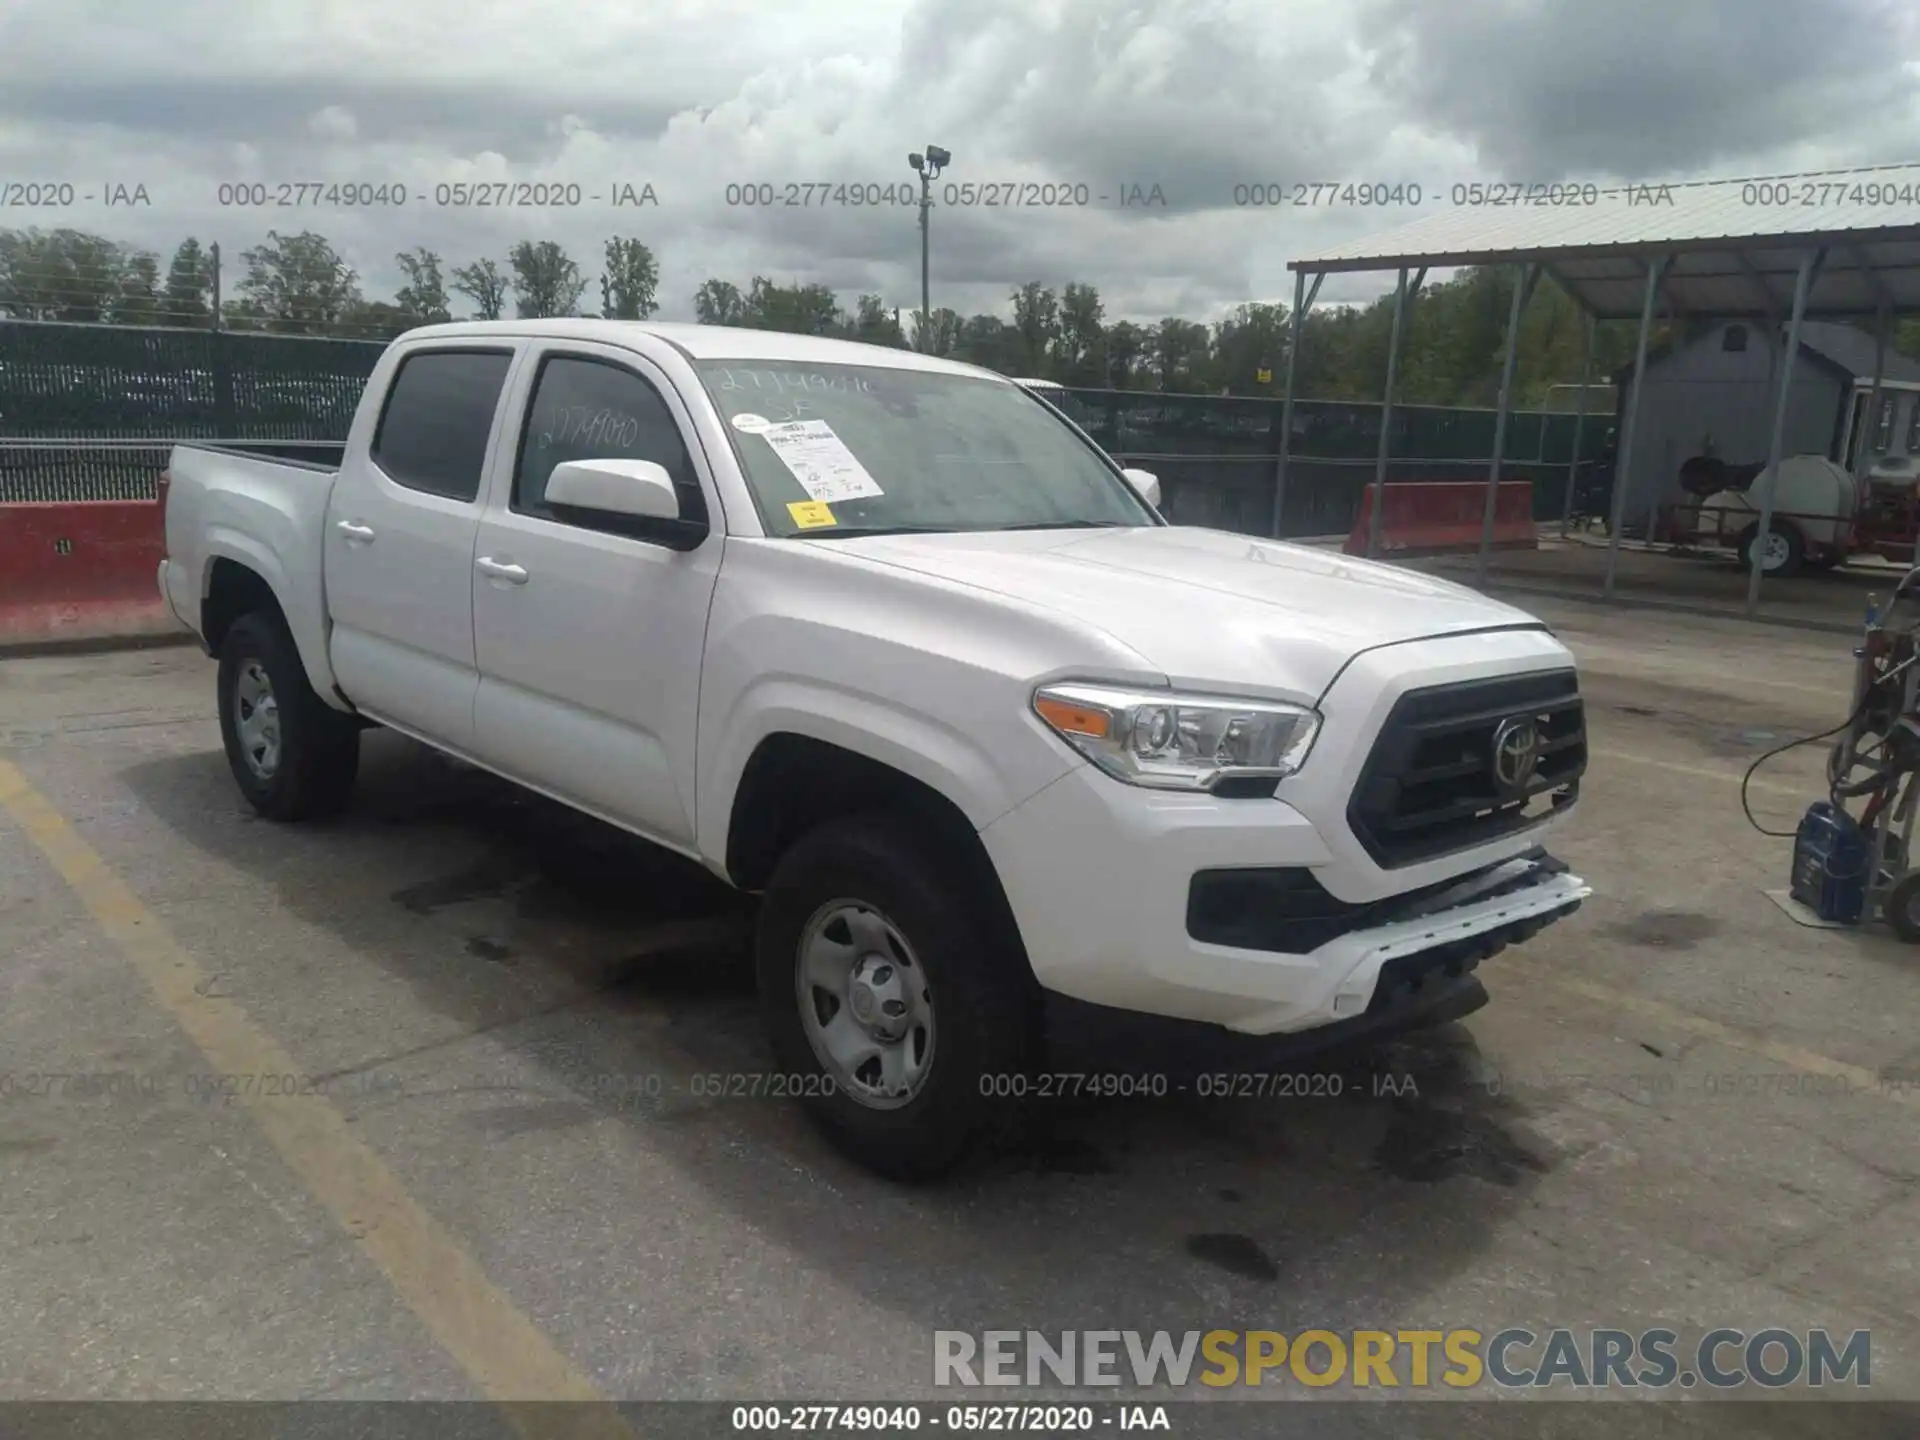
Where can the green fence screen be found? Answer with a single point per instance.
(78, 401)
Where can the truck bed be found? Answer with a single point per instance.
(325, 456)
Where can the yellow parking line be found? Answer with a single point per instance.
(1791, 1057)
(506, 1354)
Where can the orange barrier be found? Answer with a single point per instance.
(1432, 517)
(84, 571)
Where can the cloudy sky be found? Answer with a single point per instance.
(1195, 97)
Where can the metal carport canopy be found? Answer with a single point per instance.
(1732, 258)
(1829, 245)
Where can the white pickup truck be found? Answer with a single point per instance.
(889, 641)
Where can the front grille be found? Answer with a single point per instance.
(1429, 786)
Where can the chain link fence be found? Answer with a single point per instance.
(87, 412)
(1218, 456)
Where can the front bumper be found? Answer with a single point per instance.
(1099, 876)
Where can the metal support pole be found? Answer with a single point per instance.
(1623, 452)
(1522, 291)
(1802, 283)
(1869, 421)
(1386, 416)
(1302, 302)
(926, 304)
(1579, 428)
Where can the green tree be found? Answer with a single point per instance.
(189, 289)
(139, 301)
(1179, 351)
(943, 333)
(1036, 317)
(546, 280)
(1125, 355)
(379, 320)
(1082, 333)
(993, 344)
(1252, 338)
(630, 282)
(796, 309)
(62, 274)
(482, 283)
(423, 299)
(719, 302)
(298, 284)
(877, 324)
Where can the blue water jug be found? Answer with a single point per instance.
(1831, 856)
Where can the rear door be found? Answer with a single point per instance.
(590, 629)
(399, 543)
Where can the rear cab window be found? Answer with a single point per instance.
(437, 419)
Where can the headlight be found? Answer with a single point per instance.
(1170, 741)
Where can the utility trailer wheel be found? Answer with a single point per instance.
(1902, 907)
(293, 755)
(1785, 553)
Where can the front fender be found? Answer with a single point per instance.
(956, 764)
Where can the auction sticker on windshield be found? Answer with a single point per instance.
(751, 424)
(820, 461)
(811, 514)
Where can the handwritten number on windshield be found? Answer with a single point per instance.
(788, 382)
(583, 427)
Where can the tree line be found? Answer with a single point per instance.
(298, 284)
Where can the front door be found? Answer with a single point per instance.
(589, 630)
(398, 546)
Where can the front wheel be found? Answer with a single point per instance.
(292, 754)
(889, 995)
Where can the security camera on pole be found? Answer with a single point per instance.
(926, 167)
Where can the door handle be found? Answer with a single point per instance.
(495, 570)
(354, 531)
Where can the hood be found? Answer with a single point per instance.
(1207, 608)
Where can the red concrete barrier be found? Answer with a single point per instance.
(1432, 517)
(83, 571)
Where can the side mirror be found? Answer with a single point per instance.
(639, 488)
(1146, 484)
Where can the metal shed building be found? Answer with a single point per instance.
(1775, 250)
(1712, 394)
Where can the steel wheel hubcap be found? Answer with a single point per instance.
(256, 720)
(866, 1003)
(1774, 551)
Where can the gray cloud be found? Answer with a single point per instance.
(1638, 89)
(1191, 96)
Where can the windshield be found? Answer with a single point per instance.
(855, 449)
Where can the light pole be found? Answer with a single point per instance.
(926, 167)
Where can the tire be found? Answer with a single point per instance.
(1788, 550)
(910, 914)
(1902, 907)
(301, 762)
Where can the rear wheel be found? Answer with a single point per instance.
(292, 754)
(894, 1006)
(1902, 907)
(1783, 554)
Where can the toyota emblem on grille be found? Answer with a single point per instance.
(1516, 753)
